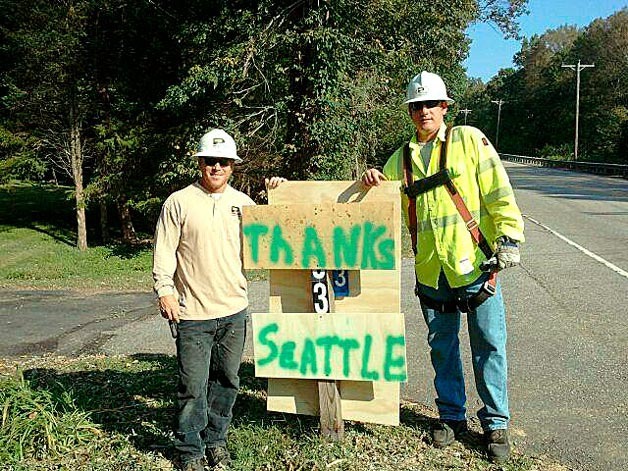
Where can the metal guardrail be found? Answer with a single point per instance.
(588, 167)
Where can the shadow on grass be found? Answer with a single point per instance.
(139, 402)
(49, 210)
(46, 209)
(128, 251)
(67, 236)
(136, 399)
(411, 417)
(135, 403)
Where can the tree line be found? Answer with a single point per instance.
(539, 95)
(111, 96)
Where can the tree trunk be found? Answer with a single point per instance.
(128, 231)
(76, 158)
(300, 110)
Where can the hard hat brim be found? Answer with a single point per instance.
(448, 100)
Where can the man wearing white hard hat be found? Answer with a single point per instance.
(465, 226)
(202, 291)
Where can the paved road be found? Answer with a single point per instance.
(568, 334)
(568, 317)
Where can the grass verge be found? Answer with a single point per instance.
(32, 259)
(37, 246)
(115, 413)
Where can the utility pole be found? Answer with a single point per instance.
(466, 112)
(499, 104)
(577, 67)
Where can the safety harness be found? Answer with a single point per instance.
(413, 189)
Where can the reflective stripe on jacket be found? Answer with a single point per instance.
(443, 241)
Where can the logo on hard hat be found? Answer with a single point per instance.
(217, 143)
(426, 86)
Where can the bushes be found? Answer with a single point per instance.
(557, 152)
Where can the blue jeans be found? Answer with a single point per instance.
(209, 355)
(487, 336)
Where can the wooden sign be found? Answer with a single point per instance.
(326, 235)
(363, 291)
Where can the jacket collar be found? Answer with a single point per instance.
(441, 135)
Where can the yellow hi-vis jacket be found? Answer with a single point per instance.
(443, 240)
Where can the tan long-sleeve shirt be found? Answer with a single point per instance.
(197, 253)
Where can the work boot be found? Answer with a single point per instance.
(498, 445)
(218, 457)
(446, 431)
(195, 464)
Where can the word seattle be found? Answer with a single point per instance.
(363, 357)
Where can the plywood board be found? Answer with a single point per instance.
(362, 401)
(355, 346)
(313, 192)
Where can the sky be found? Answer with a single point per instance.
(491, 52)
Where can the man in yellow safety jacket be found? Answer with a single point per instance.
(454, 185)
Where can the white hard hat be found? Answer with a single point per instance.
(217, 143)
(427, 86)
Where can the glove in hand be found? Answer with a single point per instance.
(507, 253)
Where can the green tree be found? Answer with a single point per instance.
(315, 88)
(49, 89)
(312, 90)
(539, 94)
(531, 92)
(86, 75)
(137, 60)
(535, 91)
(17, 158)
(604, 89)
